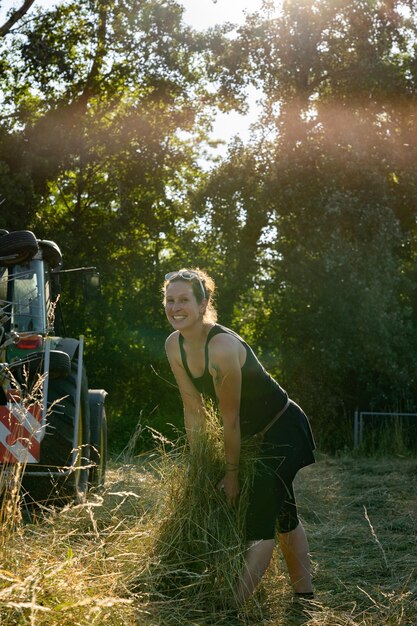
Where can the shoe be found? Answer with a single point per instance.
(299, 611)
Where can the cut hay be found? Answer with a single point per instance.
(159, 547)
(198, 543)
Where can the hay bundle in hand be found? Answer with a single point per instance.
(198, 544)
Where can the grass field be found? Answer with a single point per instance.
(94, 563)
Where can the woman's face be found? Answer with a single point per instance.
(181, 306)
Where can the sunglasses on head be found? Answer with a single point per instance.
(186, 275)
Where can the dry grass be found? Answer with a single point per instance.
(159, 547)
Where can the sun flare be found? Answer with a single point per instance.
(205, 14)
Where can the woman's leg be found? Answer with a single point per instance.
(258, 556)
(295, 549)
(294, 546)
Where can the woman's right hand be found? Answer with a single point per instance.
(230, 485)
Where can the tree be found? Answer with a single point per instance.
(235, 215)
(335, 167)
(96, 97)
(15, 16)
(310, 231)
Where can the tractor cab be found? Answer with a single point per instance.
(28, 295)
(26, 291)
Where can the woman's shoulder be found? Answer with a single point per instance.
(222, 333)
(224, 340)
(171, 342)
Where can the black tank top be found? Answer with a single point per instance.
(261, 396)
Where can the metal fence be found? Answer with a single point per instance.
(358, 423)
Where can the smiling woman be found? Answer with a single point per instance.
(211, 362)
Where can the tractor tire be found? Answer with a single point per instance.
(59, 364)
(64, 480)
(98, 439)
(50, 253)
(17, 247)
(28, 369)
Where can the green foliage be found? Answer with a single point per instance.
(339, 296)
(309, 231)
(342, 312)
(235, 217)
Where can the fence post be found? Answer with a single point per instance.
(355, 430)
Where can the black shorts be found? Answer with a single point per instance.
(287, 447)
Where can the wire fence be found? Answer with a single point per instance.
(358, 425)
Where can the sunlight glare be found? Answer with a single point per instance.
(204, 14)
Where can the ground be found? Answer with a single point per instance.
(79, 565)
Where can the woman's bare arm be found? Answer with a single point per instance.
(225, 368)
(194, 411)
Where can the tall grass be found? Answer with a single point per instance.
(10, 509)
(11, 474)
(159, 546)
(185, 544)
(390, 434)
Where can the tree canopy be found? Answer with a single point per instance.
(309, 229)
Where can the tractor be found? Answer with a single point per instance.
(50, 422)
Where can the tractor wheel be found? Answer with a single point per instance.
(31, 366)
(59, 364)
(68, 470)
(98, 440)
(17, 247)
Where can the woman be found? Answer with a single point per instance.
(209, 360)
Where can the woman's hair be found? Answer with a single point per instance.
(201, 279)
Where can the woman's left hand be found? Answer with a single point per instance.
(230, 485)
